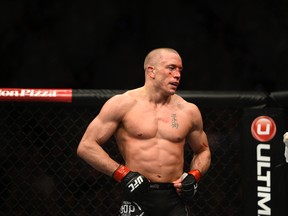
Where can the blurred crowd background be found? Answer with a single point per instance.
(239, 45)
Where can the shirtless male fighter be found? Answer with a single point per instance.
(151, 125)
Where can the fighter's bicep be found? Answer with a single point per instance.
(107, 121)
(197, 140)
(100, 130)
(197, 136)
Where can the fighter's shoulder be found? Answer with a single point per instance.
(124, 99)
(192, 112)
(187, 105)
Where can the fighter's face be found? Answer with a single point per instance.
(168, 72)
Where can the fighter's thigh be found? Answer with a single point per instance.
(179, 212)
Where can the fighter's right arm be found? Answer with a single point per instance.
(100, 129)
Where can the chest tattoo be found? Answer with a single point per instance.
(174, 121)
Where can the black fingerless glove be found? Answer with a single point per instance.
(190, 184)
(133, 184)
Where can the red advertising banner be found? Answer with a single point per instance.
(36, 95)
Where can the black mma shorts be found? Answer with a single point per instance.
(160, 200)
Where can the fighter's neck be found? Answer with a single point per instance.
(156, 97)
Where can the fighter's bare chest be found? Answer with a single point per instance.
(163, 123)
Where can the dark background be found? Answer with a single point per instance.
(225, 45)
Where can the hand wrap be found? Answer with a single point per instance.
(189, 184)
(285, 140)
(133, 184)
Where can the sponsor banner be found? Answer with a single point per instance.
(35, 95)
(263, 159)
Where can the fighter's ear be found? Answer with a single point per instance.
(151, 71)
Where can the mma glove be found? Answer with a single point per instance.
(189, 184)
(133, 184)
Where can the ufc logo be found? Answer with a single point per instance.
(138, 181)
